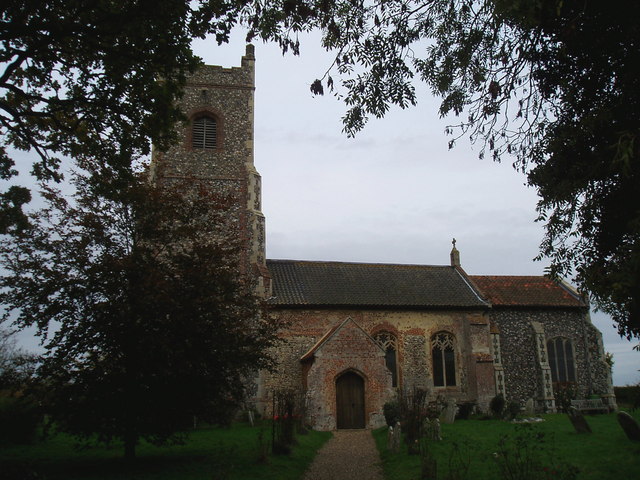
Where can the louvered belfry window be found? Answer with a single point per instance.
(204, 133)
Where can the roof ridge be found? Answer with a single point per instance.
(339, 262)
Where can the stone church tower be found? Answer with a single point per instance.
(217, 151)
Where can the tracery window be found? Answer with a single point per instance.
(389, 344)
(204, 132)
(560, 352)
(443, 354)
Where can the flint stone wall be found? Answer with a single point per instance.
(520, 360)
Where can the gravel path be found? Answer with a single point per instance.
(349, 455)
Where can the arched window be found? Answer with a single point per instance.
(204, 132)
(560, 353)
(389, 344)
(443, 353)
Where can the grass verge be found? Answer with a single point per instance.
(209, 454)
(604, 454)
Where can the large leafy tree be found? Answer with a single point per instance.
(138, 301)
(549, 84)
(93, 80)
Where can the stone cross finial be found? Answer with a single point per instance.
(455, 255)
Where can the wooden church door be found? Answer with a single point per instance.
(350, 401)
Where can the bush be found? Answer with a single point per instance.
(19, 418)
(497, 405)
(413, 413)
(513, 409)
(391, 412)
(465, 410)
(564, 393)
(629, 395)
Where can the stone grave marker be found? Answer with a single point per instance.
(529, 408)
(432, 429)
(449, 413)
(393, 438)
(630, 426)
(578, 421)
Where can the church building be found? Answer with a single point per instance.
(360, 334)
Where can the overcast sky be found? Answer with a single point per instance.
(393, 194)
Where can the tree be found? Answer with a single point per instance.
(141, 309)
(551, 84)
(81, 79)
(17, 367)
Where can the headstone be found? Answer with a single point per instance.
(250, 415)
(393, 438)
(529, 408)
(578, 421)
(630, 426)
(449, 413)
(432, 429)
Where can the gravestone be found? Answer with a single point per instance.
(529, 408)
(393, 438)
(448, 415)
(630, 426)
(578, 421)
(432, 429)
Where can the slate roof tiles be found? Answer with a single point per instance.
(336, 284)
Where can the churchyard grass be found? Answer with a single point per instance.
(208, 454)
(604, 454)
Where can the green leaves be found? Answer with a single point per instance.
(137, 297)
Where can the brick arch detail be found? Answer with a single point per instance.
(352, 370)
(384, 327)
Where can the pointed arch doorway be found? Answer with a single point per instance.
(350, 401)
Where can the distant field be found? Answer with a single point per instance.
(209, 454)
(604, 454)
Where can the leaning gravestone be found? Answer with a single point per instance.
(448, 415)
(529, 408)
(630, 426)
(578, 421)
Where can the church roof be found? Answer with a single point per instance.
(527, 291)
(376, 285)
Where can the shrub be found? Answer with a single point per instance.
(527, 455)
(497, 405)
(564, 393)
(285, 416)
(19, 418)
(465, 410)
(629, 395)
(513, 409)
(391, 412)
(413, 413)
